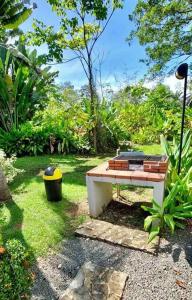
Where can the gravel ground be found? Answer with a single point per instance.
(166, 276)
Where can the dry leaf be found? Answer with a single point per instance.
(177, 272)
(180, 283)
(2, 250)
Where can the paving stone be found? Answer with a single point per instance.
(93, 282)
(119, 235)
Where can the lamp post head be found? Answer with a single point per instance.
(182, 71)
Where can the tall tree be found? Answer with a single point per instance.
(82, 23)
(165, 28)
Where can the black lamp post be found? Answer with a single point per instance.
(181, 73)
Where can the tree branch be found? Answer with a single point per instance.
(101, 32)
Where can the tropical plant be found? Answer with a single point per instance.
(172, 151)
(22, 90)
(170, 214)
(13, 13)
(26, 140)
(109, 126)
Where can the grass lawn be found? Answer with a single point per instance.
(37, 222)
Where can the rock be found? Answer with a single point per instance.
(4, 190)
(93, 282)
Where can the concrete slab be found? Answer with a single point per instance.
(118, 235)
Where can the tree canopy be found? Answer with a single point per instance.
(165, 28)
(82, 23)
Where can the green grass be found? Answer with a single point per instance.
(150, 149)
(30, 217)
(38, 223)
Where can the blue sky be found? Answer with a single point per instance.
(121, 61)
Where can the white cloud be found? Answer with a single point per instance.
(174, 84)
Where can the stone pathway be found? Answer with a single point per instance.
(163, 277)
(118, 235)
(150, 277)
(96, 283)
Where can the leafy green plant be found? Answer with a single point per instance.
(26, 140)
(22, 90)
(171, 214)
(13, 13)
(15, 275)
(172, 152)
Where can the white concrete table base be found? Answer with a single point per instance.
(100, 187)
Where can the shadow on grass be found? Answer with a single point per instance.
(74, 169)
(21, 185)
(76, 176)
(14, 228)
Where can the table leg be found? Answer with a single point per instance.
(158, 192)
(99, 195)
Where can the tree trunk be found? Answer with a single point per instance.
(4, 190)
(93, 96)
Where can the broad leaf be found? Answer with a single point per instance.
(153, 233)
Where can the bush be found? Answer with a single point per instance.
(15, 275)
(31, 140)
(26, 140)
(7, 165)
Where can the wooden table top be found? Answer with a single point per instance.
(103, 171)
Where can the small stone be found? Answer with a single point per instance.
(59, 266)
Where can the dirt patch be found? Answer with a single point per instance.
(119, 213)
(79, 209)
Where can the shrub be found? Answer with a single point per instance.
(15, 275)
(26, 140)
(7, 165)
(30, 139)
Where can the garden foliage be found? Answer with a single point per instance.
(15, 275)
(177, 205)
(22, 90)
(61, 121)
